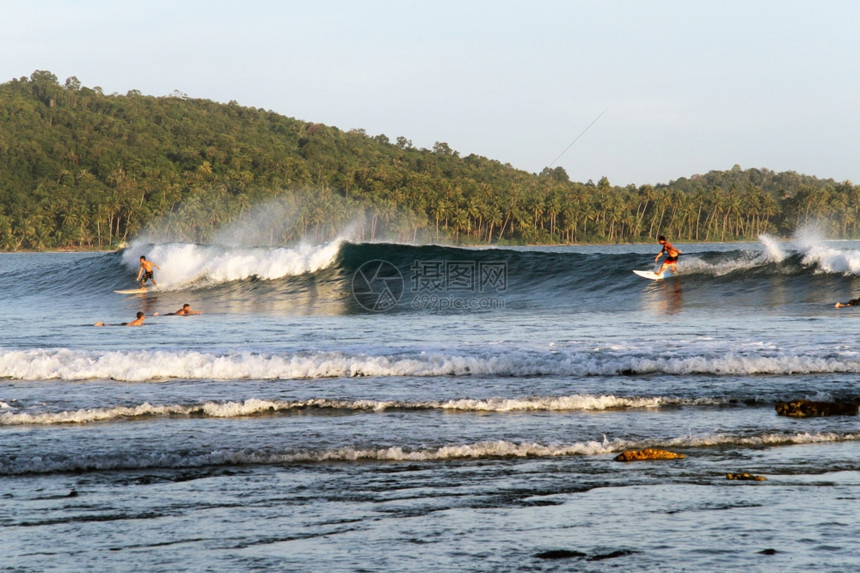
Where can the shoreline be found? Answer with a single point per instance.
(452, 245)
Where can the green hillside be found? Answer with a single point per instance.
(81, 169)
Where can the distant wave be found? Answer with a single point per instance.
(22, 464)
(256, 407)
(139, 366)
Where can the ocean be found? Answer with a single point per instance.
(383, 407)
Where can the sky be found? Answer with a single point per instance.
(641, 92)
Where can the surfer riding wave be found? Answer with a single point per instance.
(145, 272)
(671, 255)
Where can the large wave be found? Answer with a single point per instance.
(578, 277)
(184, 264)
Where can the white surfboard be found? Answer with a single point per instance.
(132, 291)
(649, 275)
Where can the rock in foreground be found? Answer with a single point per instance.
(746, 476)
(808, 409)
(647, 454)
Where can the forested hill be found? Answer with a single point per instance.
(81, 169)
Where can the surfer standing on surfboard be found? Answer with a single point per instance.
(146, 272)
(671, 255)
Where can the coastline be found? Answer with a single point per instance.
(500, 245)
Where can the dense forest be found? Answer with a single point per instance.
(81, 169)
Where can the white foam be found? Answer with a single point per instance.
(692, 263)
(157, 365)
(831, 260)
(477, 450)
(561, 403)
(770, 439)
(183, 264)
(816, 251)
(256, 406)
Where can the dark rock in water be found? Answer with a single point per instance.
(647, 454)
(808, 408)
(567, 554)
(613, 555)
(746, 476)
(559, 554)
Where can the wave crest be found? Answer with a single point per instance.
(477, 450)
(154, 366)
(255, 406)
(184, 264)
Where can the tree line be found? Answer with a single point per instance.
(82, 169)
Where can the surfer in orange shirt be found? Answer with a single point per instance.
(671, 255)
(145, 272)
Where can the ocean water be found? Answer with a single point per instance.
(383, 407)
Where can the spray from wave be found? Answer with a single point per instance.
(808, 247)
(827, 258)
(247, 248)
(773, 249)
(183, 264)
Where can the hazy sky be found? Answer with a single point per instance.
(686, 86)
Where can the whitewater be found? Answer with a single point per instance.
(346, 406)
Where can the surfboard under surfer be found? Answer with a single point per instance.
(671, 255)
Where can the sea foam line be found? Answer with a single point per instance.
(254, 406)
(22, 464)
(157, 365)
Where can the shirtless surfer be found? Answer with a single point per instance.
(184, 311)
(136, 322)
(145, 272)
(671, 255)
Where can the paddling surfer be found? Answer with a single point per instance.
(136, 322)
(145, 272)
(184, 311)
(852, 302)
(671, 255)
